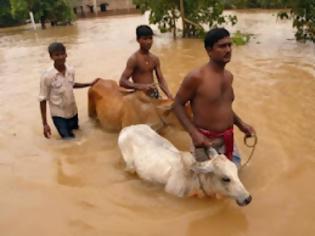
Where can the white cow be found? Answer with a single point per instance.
(156, 160)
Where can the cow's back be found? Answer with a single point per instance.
(116, 107)
(141, 109)
(106, 104)
(148, 154)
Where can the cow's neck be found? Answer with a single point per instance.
(201, 185)
(205, 185)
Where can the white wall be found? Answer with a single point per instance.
(120, 4)
(113, 4)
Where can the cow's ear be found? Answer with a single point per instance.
(202, 167)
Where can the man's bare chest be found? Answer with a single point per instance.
(216, 90)
(145, 64)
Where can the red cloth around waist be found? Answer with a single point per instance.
(228, 138)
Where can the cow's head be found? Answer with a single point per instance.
(220, 175)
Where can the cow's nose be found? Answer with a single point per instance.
(245, 201)
(248, 200)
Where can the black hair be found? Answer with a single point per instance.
(143, 30)
(214, 35)
(56, 47)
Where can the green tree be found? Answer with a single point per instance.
(303, 14)
(12, 12)
(17, 11)
(195, 15)
(53, 10)
(6, 18)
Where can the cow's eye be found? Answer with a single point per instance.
(226, 179)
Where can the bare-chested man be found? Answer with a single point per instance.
(142, 64)
(210, 93)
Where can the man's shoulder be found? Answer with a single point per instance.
(228, 73)
(153, 56)
(134, 55)
(49, 72)
(69, 66)
(193, 78)
(195, 74)
(133, 58)
(70, 69)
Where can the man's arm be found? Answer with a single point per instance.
(161, 79)
(47, 131)
(84, 85)
(81, 85)
(185, 93)
(44, 90)
(245, 128)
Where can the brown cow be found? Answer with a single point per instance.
(116, 108)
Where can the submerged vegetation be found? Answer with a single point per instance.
(239, 38)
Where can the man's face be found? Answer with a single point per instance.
(221, 50)
(59, 57)
(145, 42)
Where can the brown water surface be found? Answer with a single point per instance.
(53, 187)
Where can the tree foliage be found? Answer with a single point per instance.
(16, 11)
(6, 16)
(200, 14)
(303, 14)
(53, 10)
(19, 9)
(196, 15)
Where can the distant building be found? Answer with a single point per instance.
(83, 8)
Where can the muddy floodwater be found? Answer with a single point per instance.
(57, 188)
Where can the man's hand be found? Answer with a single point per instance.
(199, 140)
(47, 131)
(145, 87)
(170, 96)
(248, 130)
(95, 81)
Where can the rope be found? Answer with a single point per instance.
(252, 146)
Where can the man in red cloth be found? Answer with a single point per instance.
(210, 93)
